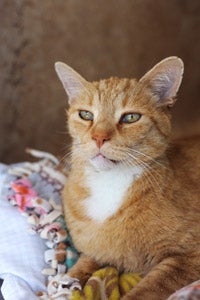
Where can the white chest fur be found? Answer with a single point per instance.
(107, 190)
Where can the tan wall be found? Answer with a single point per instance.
(98, 38)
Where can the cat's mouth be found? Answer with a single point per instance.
(102, 162)
(101, 156)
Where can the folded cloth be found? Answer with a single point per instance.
(20, 289)
(21, 254)
(34, 230)
(189, 292)
(107, 284)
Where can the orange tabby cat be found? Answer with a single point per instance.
(132, 199)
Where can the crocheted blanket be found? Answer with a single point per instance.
(35, 190)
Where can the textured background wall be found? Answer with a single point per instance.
(98, 38)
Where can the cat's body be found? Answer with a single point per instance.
(132, 198)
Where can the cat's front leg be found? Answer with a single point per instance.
(164, 279)
(83, 269)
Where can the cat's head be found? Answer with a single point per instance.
(121, 121)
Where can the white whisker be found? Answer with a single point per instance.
(149, 157)
(133, 161)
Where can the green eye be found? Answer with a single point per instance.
(130, 118)
(86, 115)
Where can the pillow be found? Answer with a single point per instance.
(21, 254)
(35, 189)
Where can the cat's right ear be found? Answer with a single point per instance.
(73, 83)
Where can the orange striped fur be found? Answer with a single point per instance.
(153, 228)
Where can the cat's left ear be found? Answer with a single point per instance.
(164, 80)
(73, 83)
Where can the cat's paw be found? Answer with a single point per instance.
(61, 286)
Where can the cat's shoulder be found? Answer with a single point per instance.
(184, 154)
(187, 145)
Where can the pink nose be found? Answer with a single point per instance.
(100, 139)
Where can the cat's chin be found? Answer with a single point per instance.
(102, 163)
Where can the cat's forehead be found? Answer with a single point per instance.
(114, 91)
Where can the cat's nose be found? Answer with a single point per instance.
(100, 139)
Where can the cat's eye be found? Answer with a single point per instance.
(86, 115)
(130, 118)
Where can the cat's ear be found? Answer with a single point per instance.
(164, 80)
(73, 83)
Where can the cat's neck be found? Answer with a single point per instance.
(106, 190)
(134, 171)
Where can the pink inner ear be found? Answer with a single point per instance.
(164, 79)
(165, 86)
(72, 82)
(73, 87)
